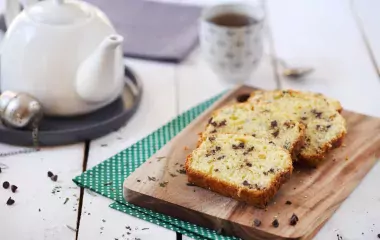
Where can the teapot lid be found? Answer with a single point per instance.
(59, 12)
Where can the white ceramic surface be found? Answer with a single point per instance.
(232, 52)
(60, 52)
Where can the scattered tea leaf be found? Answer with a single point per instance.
(108, 183)
(152, 179)
(163, 184)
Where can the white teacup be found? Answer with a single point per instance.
(233, 51)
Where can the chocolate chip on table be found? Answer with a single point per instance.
(0, 169)
(243, 97)
(54, 178)
(293, 220)
(14, 188)
(10, 201)
(6, 185)
(275, 223)
(257, 222)
(50, 174)
(288, 202)
(378, 235)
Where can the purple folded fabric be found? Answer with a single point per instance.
(153, 30)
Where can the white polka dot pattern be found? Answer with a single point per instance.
(107, 177)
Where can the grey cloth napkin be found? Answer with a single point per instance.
(153, 30)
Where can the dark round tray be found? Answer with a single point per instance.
(61, 131)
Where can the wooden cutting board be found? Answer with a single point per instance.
(315, 193)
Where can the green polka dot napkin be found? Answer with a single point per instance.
(107, 178)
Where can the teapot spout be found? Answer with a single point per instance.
(99, 78)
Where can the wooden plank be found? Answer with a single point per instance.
(367, 19)
(40, 211)
(157, 107)
(324, 35)
(315, 193)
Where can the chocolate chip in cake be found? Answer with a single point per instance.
(275, 134)
(210, 120)
(213, 131)
(316, 113)
(328, 126)
(222, 123)
(216, 170)
(246, 183)
(211, 139)
(13, 188)
(221, 157)
(304, 118)
(243, 97)
(273, 124)
(6, 185)
(241, 145)
(293, 220)
(275, 223)
(253, 135)
(288, 202)
(271, 142)
(289, 124)
(257, 222)
(249, 164)
(217, 148)
(214, 124)
(249, 150)
(10, 201)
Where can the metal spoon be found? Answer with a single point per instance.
(294, 72)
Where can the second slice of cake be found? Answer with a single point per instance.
(239, 166)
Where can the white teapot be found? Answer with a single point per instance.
(65, 53)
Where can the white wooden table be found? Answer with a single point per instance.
(339, 38)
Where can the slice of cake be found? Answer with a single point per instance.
(325, 127)
(268, 122)
(243, 167)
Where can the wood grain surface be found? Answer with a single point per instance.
(161, 185)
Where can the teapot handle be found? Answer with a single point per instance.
(13, 8)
